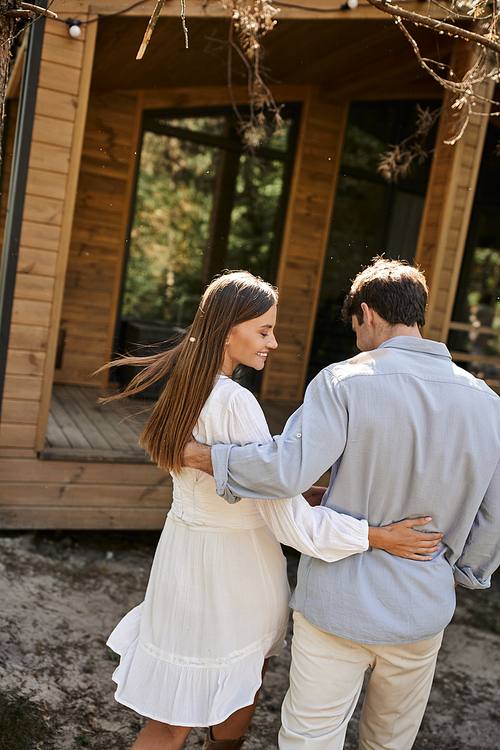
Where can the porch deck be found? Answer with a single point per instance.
(82, 429)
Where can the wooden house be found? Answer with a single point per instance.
(346, 78)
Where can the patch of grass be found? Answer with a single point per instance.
(83, 740)
(22, 723)
(111, 656)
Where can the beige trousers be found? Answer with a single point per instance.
(326, 677)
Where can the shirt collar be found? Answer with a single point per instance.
(411, 343)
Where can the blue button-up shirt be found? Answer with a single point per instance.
(408, 433)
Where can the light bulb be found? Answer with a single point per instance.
(74, 29)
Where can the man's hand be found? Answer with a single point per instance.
(197, 456)
(314, 495)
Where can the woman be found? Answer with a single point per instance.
(216, 607)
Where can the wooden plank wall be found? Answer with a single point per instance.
(304, 245)
(99, 233)
(45, 206)
(448, 206)
(77, 495)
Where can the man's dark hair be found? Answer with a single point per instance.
(394, 289)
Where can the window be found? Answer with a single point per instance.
(370, 217)
(201, 205)
(474, 338)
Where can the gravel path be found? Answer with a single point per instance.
(62, 594)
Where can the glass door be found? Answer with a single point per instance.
(371, 217)
(202, 205)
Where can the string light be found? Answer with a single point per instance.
(75, 27)
(74, 24)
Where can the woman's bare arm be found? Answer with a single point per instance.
(314, 495)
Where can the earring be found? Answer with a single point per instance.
(227, 342)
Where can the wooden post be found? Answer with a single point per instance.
(305, 240)
(449, 200)
(66, 226)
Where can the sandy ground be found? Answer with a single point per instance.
(62, 594)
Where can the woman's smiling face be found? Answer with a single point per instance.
(249, 342)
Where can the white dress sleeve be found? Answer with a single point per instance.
(315, 531)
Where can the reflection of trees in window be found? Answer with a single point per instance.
(170, 228)
(480, 338)
(480, 313)
(255, 214)
(201, 205)
(370, 217)
(482, 298)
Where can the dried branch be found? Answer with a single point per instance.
(396, 162)
(150, 28)
(261, 101)
(464, 92)
(28, 10)
(38, 10)
(252, 19)
(19, 13)
(481, 70)
(488, 40)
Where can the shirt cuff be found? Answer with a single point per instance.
(220, 460)
(465, 577)
(363, 534)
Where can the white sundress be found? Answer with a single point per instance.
(216, 604)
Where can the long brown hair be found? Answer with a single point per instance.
(194, 364)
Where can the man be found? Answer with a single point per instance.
(407, 434)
